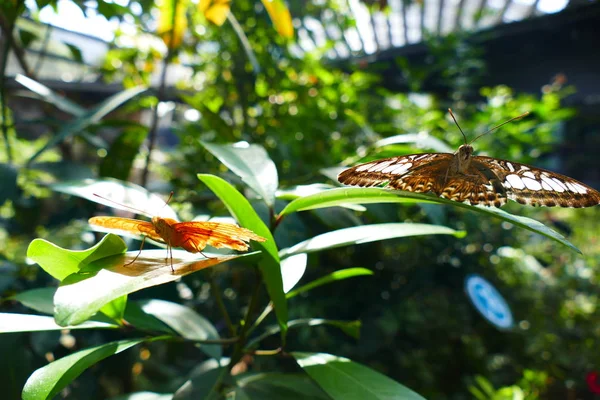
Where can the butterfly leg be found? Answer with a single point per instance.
(206, 255)
(138, 254)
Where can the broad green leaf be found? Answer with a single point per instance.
(280, 15)
(115, 309)
(93, 116)
(83, 294)
(344, 379)
(251, 163)
(135, 316)
(345, 195)
(334, 276)
(40, 300)
(422, 140)
(118, 194)
(241, 209)
(292, 270)
(48, 381)
(350, 328)
(172, 22)
(277, 386)
(306, 190)
(365, 234)
(10, 322)
(215, 11)
(201, 381)
(51, 97)
(185, 321)
(61, 263)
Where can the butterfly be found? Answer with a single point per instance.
(463, 177)
(192, 236)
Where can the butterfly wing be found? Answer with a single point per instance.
(127, 225)
(415, 172)
(537, 186)
(194, 236)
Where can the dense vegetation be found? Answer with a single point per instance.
(258, 132)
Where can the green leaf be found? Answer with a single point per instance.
(51, 97)
(344, 379)
(135, 316)
(61, 263)
(292, 270)
(118, 194)
(185, 321)
(351, 328)
(277, 386)
(201, 381)
(241, 209)
(334, 276)
(80, 123)
(365, 234)
(251, 163)
(306, 190)
(40, 300)
(10, 322)
(115, 309)
(48, 381)
(83, 294)
(345, 195)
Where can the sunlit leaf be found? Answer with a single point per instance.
(48, 381)
(344, 379)
(270, 267)
(10, 322)
(185, 321)
(292, 270)
(118, 194)
(281, 17)
(366, 234)
(306, 190)
(346, 195)
(61, 263)
(251, 163)
(83, 294)
(278, 386)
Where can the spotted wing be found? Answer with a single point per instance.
(414, 173)
(194, 236)
(127, 225)
(537, 186)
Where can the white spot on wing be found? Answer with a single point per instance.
(397, 169)
(531, 184)
(554, 185)
(364, 167)
(510, 167)
(529, 174)
(559, 183)
(581, 188)
(515, 181)
(546, 185)
(380, 166)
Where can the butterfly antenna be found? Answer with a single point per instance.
(456, 122)
(137, 210)
(168, 200)
(498, 126)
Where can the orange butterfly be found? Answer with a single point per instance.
(191, 236)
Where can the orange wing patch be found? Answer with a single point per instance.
(194, 236)
(128, 225)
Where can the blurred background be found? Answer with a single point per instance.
(319, 84)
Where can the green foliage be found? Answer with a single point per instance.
(273, 125)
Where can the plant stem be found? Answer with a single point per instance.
(6, 44)
(219, 299)
(238, 351)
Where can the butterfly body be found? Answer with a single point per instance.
(192, 236)
(471, 179)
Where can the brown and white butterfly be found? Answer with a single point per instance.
(471, 179)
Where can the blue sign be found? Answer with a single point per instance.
(490, 304)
